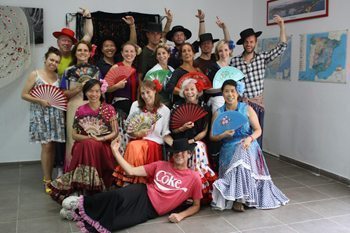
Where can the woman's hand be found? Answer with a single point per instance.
(98, 138)
(187, 125)
(115, 144)
(175, 218)
(142, 133)
(229, 133)
(220, 23)
(246, 142)
(44, 103)
(129, 20)
(121, 84)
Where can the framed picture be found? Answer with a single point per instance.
(294, 10)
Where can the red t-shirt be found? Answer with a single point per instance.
(170, 187)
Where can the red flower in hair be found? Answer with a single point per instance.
(93, 50)
(199, 86)
(158, 85)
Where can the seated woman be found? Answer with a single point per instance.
(137, 203)
(191, 90)
(243, 174)
(92, 164)
(162, 54)
(147, 146)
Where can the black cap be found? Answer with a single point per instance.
(153, 27)
(246, 33)
(181, 144)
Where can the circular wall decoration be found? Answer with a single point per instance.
(15, 51)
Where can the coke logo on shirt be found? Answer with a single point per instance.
(167, 182)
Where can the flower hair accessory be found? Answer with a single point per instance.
(159, 86)
(93, 50)
(199, 85)
(240, 88)
(103, 86)
(231, 44)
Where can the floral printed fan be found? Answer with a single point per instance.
(83, 72)
(93, 126)
(51, 94)
(185, 113)
(141, 122)
(197, 76)
(118, 73)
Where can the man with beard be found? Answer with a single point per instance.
(154, 36)
(66, 39)
(253, 65)
(207, 60)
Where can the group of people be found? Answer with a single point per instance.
(126, 175)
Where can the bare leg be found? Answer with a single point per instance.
(47, 159)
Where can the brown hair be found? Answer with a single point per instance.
(163, 46)
(54, 51)
(151, 85)
(74, 50)
(184, 44)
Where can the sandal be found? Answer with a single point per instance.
(47, 189)
(238, 206)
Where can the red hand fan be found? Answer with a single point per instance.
(197, 76)
(51, 94)
(185, 113)
(118, 73)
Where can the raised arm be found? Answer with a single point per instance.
(224, 28)
(280, 21)
(169, 19)
(201, 21)
(130, 170)
(129, 20)
(88, 26)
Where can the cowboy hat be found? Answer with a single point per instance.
(246, 33)
(178, 28)
(65, 32)
(202, 38)
(153, 27)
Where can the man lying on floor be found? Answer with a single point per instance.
(170, 184)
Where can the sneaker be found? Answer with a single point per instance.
(67, 214)
(70, 203)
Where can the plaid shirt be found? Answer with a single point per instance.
(254, 71)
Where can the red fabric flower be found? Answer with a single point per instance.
(93, 50)
(199, 86)
(159, 86)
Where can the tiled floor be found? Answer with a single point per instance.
(318, 204)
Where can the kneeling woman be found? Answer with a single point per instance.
(170, 184)
(92, 162)
(243, 174)
(147, 146)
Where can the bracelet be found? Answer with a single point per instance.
(251, 137)
(201, 21)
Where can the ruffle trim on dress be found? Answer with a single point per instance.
(247, 166)
(84, 217)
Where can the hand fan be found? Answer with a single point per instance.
(161, 75)
(118, 73)
(141, 121)
(185, 113)
(51, 94)
(83, 72)
(94, 126)
(197, 76)
(225, 73)
(229, 120)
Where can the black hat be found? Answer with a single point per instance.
(203, 37)
(246, 33)
(153, 27)
(181, 144)
(170, 34)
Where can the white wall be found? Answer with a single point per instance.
(308, 121)
(14, 117)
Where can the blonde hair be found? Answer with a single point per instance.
(163, 46)
(219, 45)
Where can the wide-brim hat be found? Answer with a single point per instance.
(246, 33)
(178, 28)
(181, 144)
(153, 27)
(202, 38)
(65, 32)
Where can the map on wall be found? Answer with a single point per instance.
(279, 68)
(323, 57)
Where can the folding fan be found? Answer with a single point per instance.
(83, 72)
(94, 126)
(225, 73)
(143, 121)
(185, 113)
(118, 73)
(51, 94)
(161, 75)
(229, 120)
(197, 76)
